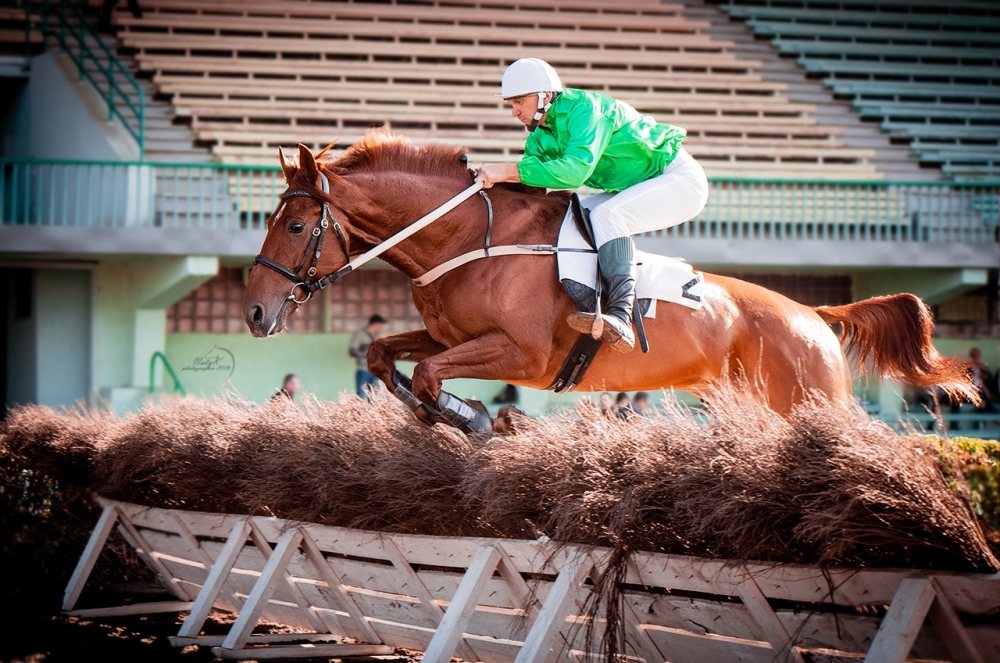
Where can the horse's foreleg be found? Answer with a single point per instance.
(383, 353)
(492, 356)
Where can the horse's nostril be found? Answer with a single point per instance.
(258, 314)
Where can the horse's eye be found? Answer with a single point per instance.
(296, 228)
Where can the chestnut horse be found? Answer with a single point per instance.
(504, 317)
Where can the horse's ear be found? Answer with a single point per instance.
(287, 167)
(307, 164)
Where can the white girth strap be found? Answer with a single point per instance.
(508, 250)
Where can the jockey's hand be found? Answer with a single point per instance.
(491, 173)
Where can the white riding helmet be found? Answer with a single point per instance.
(529, 76)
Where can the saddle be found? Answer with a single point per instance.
(658, 278)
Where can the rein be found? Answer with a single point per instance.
(310, 284)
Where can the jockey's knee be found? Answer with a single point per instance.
(608, 224)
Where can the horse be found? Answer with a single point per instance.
(504, 317)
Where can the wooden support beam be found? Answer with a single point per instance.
(269, 638)
(773, 630)
(522, 594)
(218, 575)
(565, 593)
(901, 624)
(145, 551)
(262, 544)
(420, 590)
(647, 649)
(300, 651)
(328, 574)
(151, 608)
(275, 568)
(95, 544)
(950, 628)
(463, 604)
(199, 553)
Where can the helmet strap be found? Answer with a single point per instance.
(542, 109)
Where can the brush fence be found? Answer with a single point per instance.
(504, 601)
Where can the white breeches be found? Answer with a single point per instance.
(676, 196)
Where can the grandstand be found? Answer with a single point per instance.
(851, 149)
(252, 75)
(926, 71)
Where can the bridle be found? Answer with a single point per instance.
(310, 283)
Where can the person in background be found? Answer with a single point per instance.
(507, 396)
(640, 403)
(607, 404)
(623, 406)
(358, 349)
(981, 377)
(289, 387)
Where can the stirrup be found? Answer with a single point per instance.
(586, 322)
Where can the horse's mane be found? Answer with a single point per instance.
(382, 150)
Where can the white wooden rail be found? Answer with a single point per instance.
(357, 593)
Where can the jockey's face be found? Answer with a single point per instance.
(523, 108)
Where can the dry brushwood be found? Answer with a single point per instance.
(826, 486)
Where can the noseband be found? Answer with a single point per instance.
(310, 284)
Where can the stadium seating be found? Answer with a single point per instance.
(14, 38)
(255, 74)
(928, 71)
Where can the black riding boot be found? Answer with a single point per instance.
(616, 260)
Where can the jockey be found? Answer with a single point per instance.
(582, 138)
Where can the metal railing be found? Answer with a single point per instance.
(136, 194)
(67, 23)
(178, 387)
(220, 196)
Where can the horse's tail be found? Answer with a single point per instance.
(892, 336)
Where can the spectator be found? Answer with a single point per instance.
(289, 387)
(358, 349)
(981, 378)
(607, 405)
(508, 396)
(640, 403)
(623, 406)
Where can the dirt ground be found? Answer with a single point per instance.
(38, 634)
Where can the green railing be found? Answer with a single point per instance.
(216, 196)
(67, 23)
(178, 387)
(137, 194)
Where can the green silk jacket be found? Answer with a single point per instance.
(595, 140)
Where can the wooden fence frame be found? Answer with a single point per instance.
(513, 601)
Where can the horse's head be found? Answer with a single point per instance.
(352, 204)
(307, 238)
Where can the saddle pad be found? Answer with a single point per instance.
(658, 278)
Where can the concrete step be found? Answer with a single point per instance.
(165, 141)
